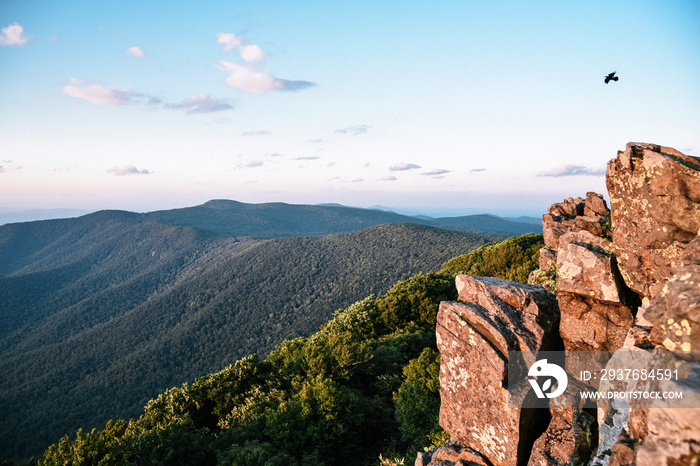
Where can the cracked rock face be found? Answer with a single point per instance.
(655, 203)
(474, 336)
(627, 279)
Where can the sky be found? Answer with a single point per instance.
(441, 107)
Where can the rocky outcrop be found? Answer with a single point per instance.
(627, 278)
(655, 200)
(474, 336)
(572, 215)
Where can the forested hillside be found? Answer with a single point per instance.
(101, 313)
(365, 384)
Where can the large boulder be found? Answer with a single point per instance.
(675, 311)
(659, 435)
(474, 337)
(596, 305)
(655, 203)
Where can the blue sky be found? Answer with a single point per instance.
(445, 107)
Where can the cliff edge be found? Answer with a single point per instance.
(627, 279)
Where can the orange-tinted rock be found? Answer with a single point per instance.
(655, 203)
(675, 310)
(474, 336)
(591, 325)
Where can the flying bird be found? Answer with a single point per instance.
(611, 77)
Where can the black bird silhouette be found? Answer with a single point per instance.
(611, 77)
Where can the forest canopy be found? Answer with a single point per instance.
(365, 384)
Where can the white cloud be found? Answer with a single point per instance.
(13, 35)
(437, 171)
(388, 178)
(572, 170)
(254, 163)
(476, 170)
(202, 104)
(99, 94)
(248, 79)
(230, 41)
(251, 53)
(136, 52)
(126, 170)
(403, 166)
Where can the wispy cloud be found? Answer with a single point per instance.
(257, 80)
(476, 170)
(202, 104)
(254, 163)
(403, 166)
(573, 170)
(354, 130)
(100, 94)
(13, 35)
(436, 172)
(388, 178)
(126, 170)
(136, 52)
(311, 157)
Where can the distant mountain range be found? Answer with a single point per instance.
(275, 220)
(100, 313)
(271, 220)
(18, 216)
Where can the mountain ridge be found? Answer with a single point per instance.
(118, 301)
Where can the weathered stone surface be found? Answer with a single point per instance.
(655, 202)
(614, 292)
(573, 215)
(595, 206)
(591, 325)
(472, 374)
(474, 338)
(547, 257)
(452, 453)
(675, 311)
(557, 443)
(568, 439)
(526, 311)
(586, 266)
(663, 435)
(596, 306)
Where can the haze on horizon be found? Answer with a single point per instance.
(442, 107)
